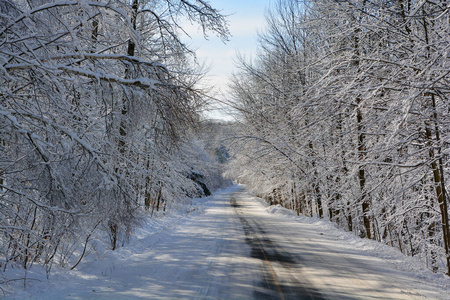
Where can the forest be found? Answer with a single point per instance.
(99, 122)
(344, 115)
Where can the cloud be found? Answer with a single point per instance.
(246, 19)
(246, 26)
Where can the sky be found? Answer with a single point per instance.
(246, 19)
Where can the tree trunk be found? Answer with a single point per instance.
(438, 180)
(349, 217)
(361, 147)
(437, 164)
(125, 102)
(316, 187)
(361, 173)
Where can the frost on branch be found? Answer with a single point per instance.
(345, 116)
(95, 105)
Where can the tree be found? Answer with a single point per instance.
(94, 101)
(349, 100)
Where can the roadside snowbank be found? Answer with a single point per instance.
(99, 262)
(173, 249)
(391, 255)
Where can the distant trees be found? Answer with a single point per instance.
(345, 115)
(96, 102)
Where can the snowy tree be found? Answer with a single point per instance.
(95, 101)
(344, 112)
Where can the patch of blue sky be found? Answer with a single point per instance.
(246, 18)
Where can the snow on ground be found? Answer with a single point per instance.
(97, 263)
(343, 266)
(199, 251)
(142, 263)
(372, 248)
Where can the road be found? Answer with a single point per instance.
(298, 262)
(280, 271)
(235, 249)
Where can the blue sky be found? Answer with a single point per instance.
(246, 19)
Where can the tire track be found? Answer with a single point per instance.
(280, 278)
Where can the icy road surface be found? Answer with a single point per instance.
(235, 249)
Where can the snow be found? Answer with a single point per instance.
(199, 250)
(371, 250)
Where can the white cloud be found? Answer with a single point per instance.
(246, 18)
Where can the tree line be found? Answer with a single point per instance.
(344, 115)
(98, 114)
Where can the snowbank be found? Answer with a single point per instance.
(391, 255)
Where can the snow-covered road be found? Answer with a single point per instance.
(297, 261)
(236, 249)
